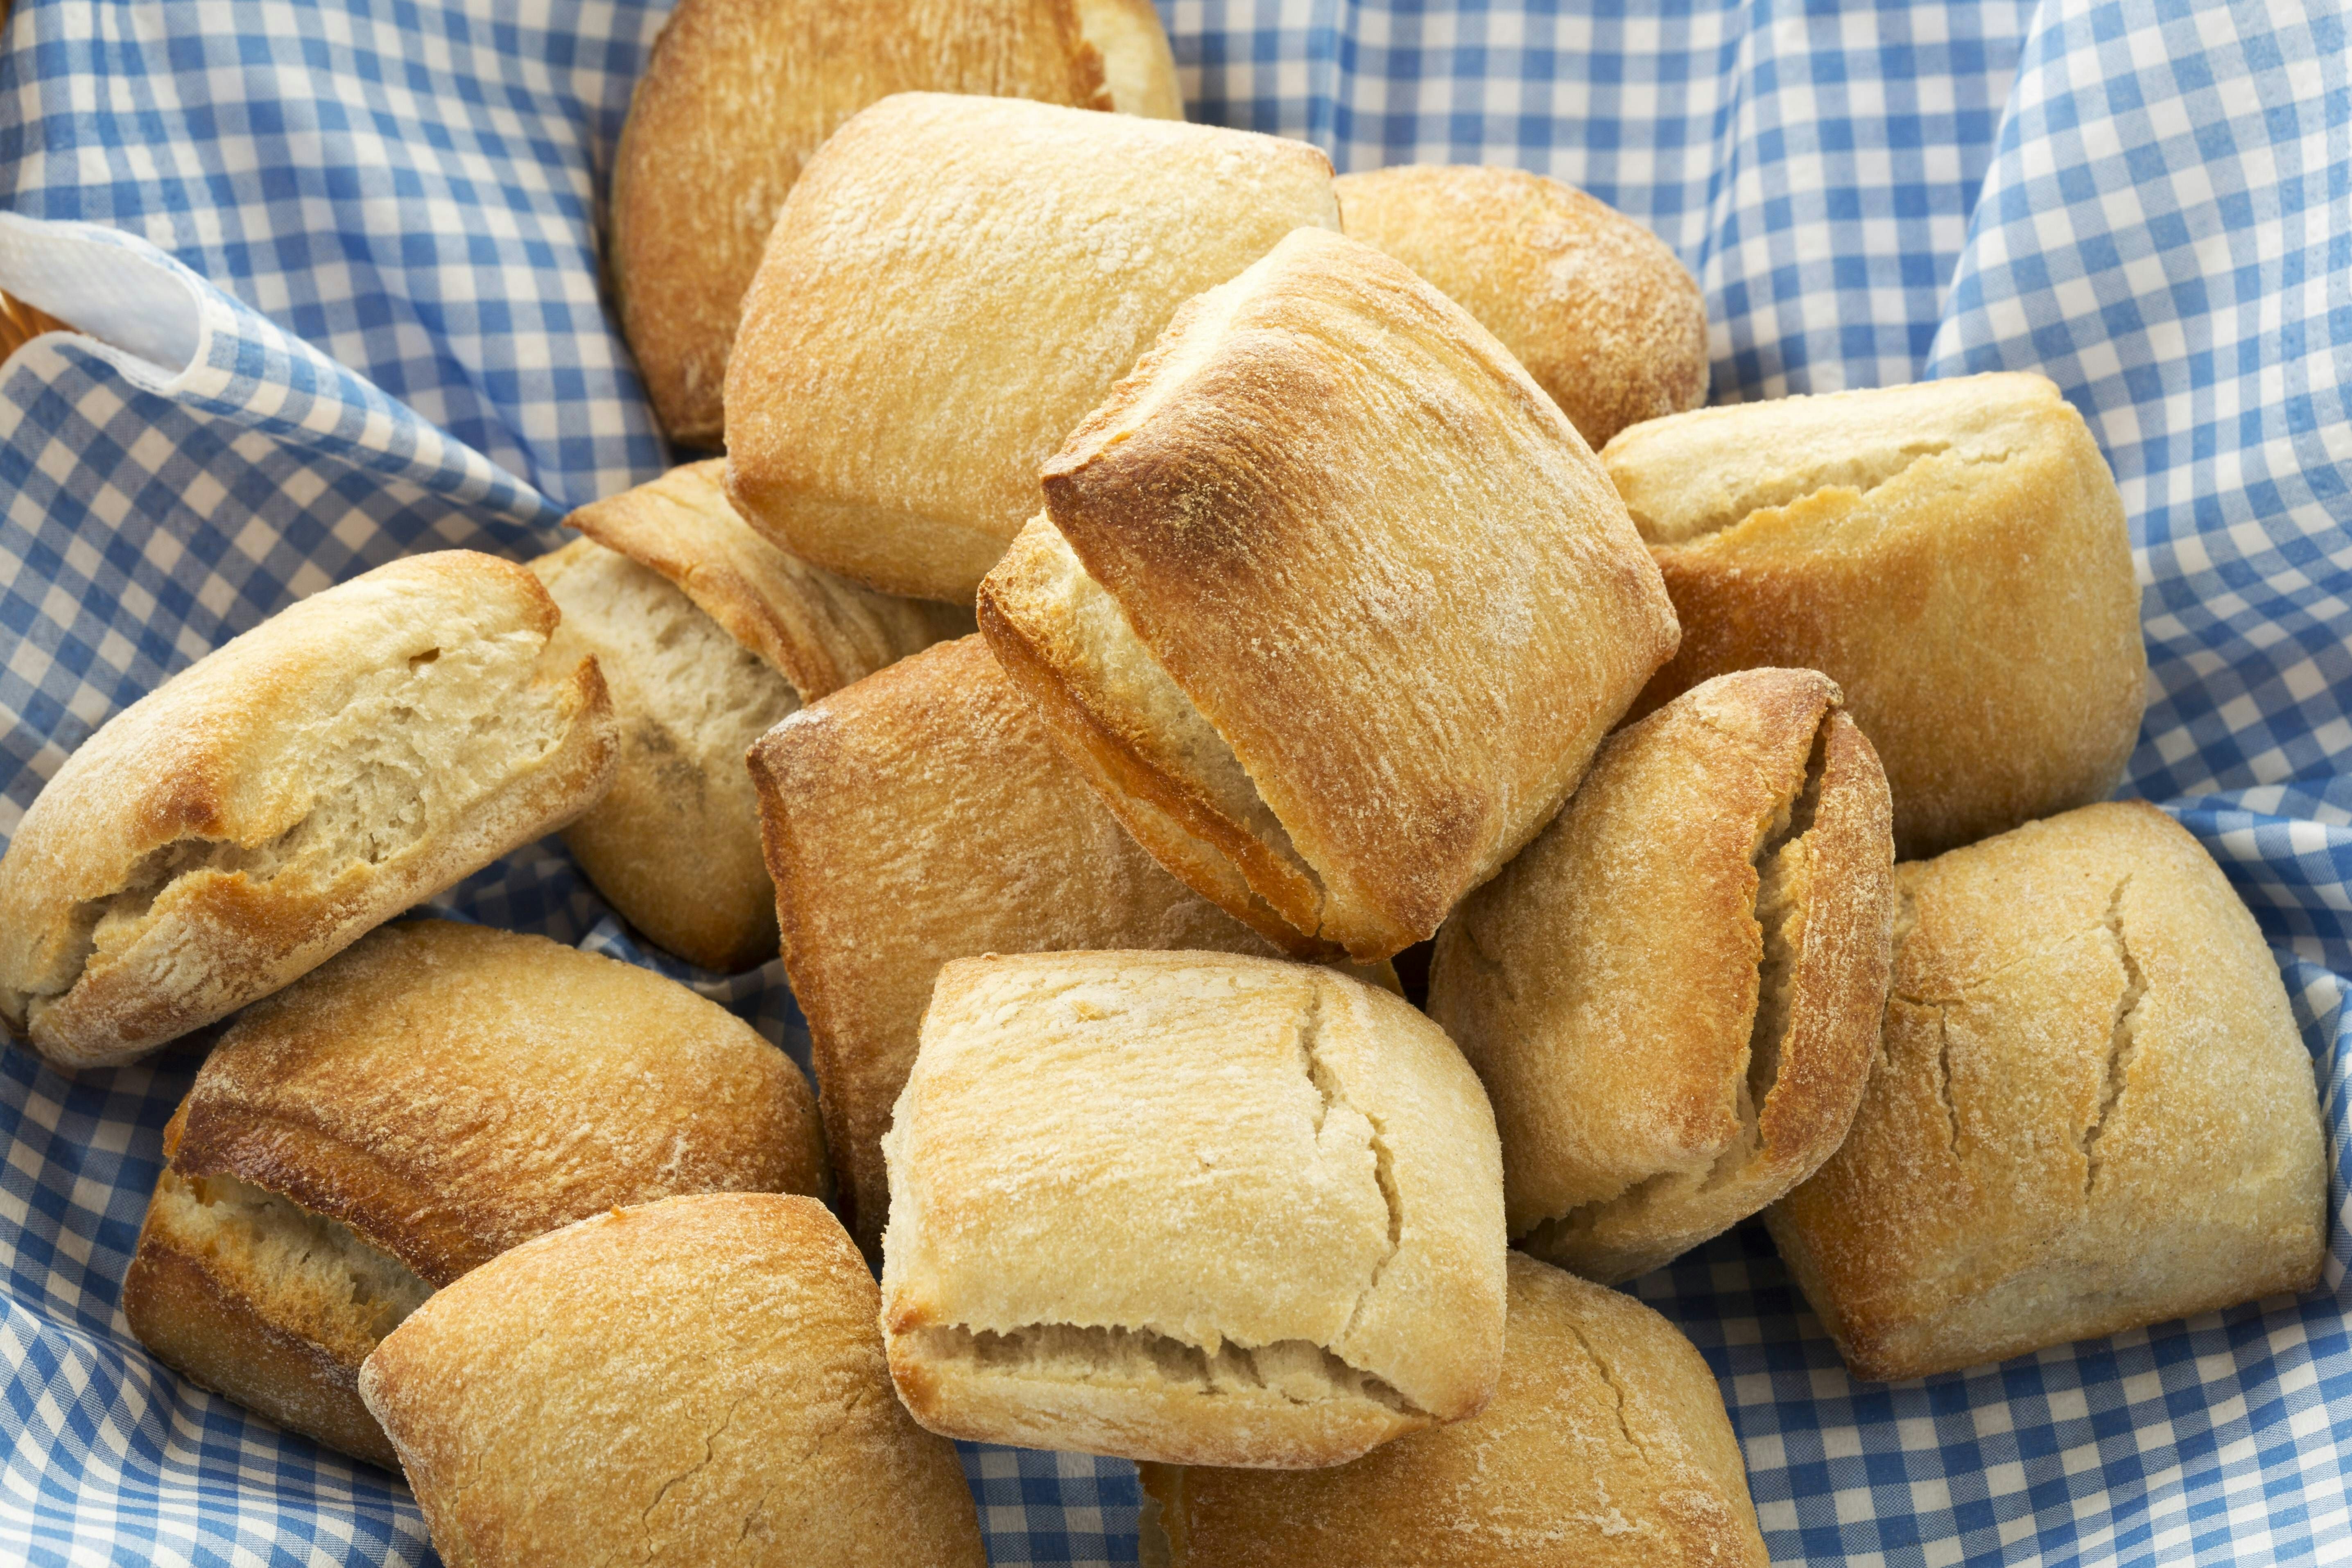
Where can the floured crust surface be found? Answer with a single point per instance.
(356, 753)
(1673, 995)
(1606, 1446)
(1953, 554)
(2091, 1109)
(1189, 1208)
(735, 98)
(923, 816)
(950, 289)
(696, 1382)
(1339, 520)
(1602, 314)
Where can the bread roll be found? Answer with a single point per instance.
(1673, 995)
(1953, 554)
(2090, 1109)
(1138, 68)
(952, 286)
(1602, 314)
(1188, 1207)
(922, 815)
(696, 1382)
(401, 1116)
(737, 97)
(259, 812)
(1606, 1446)
(1329, 601)
(707, 634)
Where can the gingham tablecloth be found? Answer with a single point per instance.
(338, 256)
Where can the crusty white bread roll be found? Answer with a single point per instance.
(401, 1115)
(919, 815)
(1953, 554)
(1329, 601)
(707, 634)
(698, 1383)
(1602, 314)
(2091, 1110)
(952, 284)
(1138, 67)
(261, 810)
(737, 97)
(1188, 1207)
(1606, 1446)
(1673, 995)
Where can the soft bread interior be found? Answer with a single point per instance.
(415, 748)
(1783, 864)
(1118, 675)
(1293, 1371)
(305, 1273)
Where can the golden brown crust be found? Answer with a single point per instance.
(1413, 673)
(1673, 995)
(1953, 554)
(952, 286)
(722, 1352)
(818, 630)
(448, 1091)
(1598, 309)
(920, 816)
(735, 98)
(2091, 1110)
(254, 814)
(1188, 1207)
(1606, 1446)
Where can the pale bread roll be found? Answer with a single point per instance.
(403, 1114)
(1606, 1446)
(1953, 554)
(1191, 1208)
(261, 810)
(1602, 314)
(1673, 995)
(1329, 601)
(2090, 1109)
(950, 287)
(738, 96)
(920, 816)
(707, 636)
(698, 1383)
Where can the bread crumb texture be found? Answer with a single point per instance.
(2091, 1110)
(1177, 1207)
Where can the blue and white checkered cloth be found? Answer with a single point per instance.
(338, 259)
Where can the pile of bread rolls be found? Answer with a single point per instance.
(1309, 627)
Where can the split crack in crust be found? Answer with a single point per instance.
(1616, 1389)
(2123, 1040)
(1858, 475)
(1087, 1353)
(1779, 861)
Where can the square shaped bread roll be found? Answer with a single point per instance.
(1329, 600)
(261, 810)
(1191, 1208)
(2091, 1111)
(1673, 995)
(707, 634)
(919, 815)
(1953, 554)
(952, 284)
(736, 99)
(1606, 1446)
(698, 1383)
(405, 1112)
